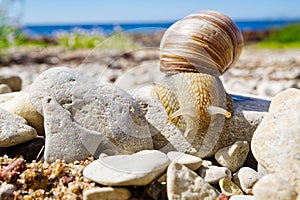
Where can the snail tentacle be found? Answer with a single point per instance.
(213, 110)
(186, 132)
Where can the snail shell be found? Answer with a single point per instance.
(194, 52)
(204, 42)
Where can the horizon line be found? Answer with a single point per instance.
(296, 19)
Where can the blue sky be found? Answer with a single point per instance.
(118, 11)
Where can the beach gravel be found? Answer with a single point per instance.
(102, 96)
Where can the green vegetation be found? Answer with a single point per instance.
(11, 35)
(7, 32)
(85, 40)
(287, 37)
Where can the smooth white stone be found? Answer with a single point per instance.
(128, 170)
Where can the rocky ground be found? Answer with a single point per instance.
(256, 150)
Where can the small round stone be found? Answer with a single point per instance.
(245, 178)
(212, 174)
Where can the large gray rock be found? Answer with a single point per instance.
(96, 106)
(128, 170)
(248, 113)
(275, 143)
(183, 183)
(13, 133)
(65, 139)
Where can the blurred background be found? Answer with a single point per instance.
(42, 34)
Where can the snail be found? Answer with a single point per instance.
(194, 52)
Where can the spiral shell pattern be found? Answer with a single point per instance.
(205, 42)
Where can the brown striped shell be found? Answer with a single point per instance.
(205, 42)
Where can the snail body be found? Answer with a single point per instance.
(195, 51)
(191, 98)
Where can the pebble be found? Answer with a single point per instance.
(233, 156)
(13, 133)
(222, 197)
(229, 188)
(7, 190)
(8, 116)
(272, 186)
(242, 197)
(206, 163)
(13, 81)
(4, 89)
(212, 174)
(96, 106)
(190, 161)
(128, 170)
(248, 113)
(183, 183)
(106, 193)
(11, 172)
(21, 105)
(65, 139)
(245, 178)
(275, 143)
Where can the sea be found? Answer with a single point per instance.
(145, 28)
